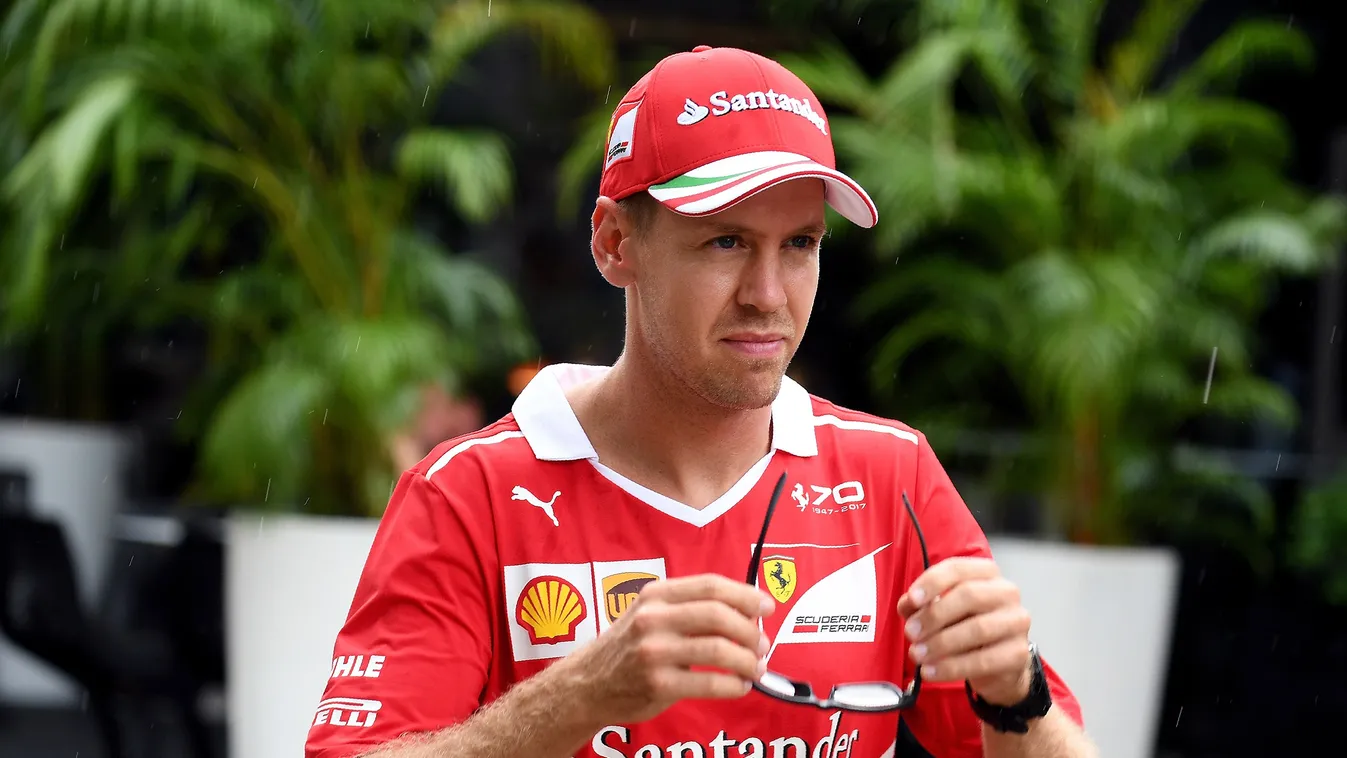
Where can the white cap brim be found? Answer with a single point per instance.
(718, 185)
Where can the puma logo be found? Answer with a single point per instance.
(519, 493)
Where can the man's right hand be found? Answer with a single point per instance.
(690, 637)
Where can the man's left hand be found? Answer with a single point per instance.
(964, 621)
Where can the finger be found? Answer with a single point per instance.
(939, 578)
(713, 618)
(965, 600)
(678, 684)
(717, 653)
(982, 630)
(1006, 658)
(747, 599)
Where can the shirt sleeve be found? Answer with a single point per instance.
(414, 652)
(942, 720)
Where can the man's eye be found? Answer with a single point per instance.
(725, 243)
(804, 241)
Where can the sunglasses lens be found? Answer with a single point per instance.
(778, 684)
(867, 696)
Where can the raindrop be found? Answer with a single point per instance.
(631, 30)
(17, 384)
(357, 344)
(133, 560)
(254, 182)
(367, 27)
(1278, 467)
(607, 94)
(96, 287)
(1333, 334)
(488, 8)
(325, 410)
(62, 241)
(1180, 718)
(263, 519)
(1211, 369)
(267, 496)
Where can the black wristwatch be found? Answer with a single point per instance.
(1015, 718)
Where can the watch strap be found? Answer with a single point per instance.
(1015, 718)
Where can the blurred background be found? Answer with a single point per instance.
(259, 256)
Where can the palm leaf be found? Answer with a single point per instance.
(833, 75)
(259, 444)
(1273, 240)
(1068, 42)
(565, 31)
(472, 167)
(583, 160)
(1134, 61)
(1242, 47)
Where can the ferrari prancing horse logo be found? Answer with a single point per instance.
(778, 572)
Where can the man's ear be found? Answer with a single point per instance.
(612, 242)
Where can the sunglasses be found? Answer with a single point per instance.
(863, 697)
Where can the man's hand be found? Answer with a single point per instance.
(691, 637)
(965, 621)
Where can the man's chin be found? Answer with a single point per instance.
(751, 390)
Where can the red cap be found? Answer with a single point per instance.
(705, 129)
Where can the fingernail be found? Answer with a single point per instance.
(747, 687)
(767, 605)
(919, 652)
(913, 628)
(918, 595)
(763, 645)
(762, 667)
(928, 671)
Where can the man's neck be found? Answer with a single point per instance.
(654, 430)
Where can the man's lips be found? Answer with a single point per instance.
(756, 344)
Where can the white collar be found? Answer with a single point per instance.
(549, 424)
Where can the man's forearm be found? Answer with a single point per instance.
(541, 717)
(1053, 736)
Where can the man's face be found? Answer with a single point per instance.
(721, 302)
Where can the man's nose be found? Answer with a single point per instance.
(763, 286)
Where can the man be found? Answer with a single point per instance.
(568, 580)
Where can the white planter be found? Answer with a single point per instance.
(289, 581)
(77, 475)
(1103, 617)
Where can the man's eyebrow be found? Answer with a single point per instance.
(818, 229)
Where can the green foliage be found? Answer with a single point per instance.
(1319, 537)
(251, 167)
(1100, 238)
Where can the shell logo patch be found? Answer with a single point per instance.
(550, 608)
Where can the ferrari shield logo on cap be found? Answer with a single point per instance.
(778, 572)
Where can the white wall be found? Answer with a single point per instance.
(1103, 618)
(288, 586)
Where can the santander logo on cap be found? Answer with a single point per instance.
(706, 129)
(722, 102)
